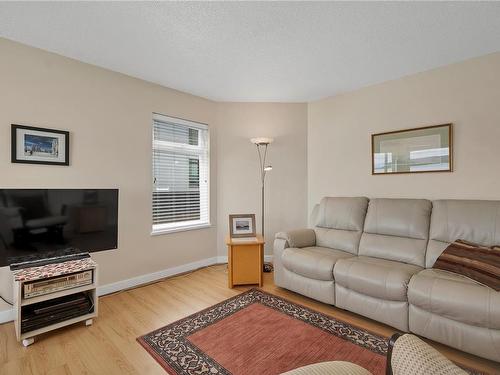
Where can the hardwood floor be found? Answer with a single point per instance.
(110, 347)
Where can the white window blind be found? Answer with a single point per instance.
(180, 174)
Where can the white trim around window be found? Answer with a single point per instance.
(181, 175)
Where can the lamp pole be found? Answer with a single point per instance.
(262, 159)
(262, 145)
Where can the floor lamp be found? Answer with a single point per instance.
(262, 144)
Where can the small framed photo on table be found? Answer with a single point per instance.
(33, 145)
(242, 225)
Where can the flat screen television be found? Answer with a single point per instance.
(34, 222)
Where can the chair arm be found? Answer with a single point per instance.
(390, 346)
(298, 237)
(409, 355)
(329, 368)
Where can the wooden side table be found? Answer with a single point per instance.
(245, 261)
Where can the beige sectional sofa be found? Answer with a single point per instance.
(374, 257)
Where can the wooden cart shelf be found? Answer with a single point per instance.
(40, 273)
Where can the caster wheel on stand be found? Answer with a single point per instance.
(28, 342)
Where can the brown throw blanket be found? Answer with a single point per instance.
(476, 262)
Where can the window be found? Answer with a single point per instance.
(180, 174)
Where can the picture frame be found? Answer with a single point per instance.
(418, 150)
(34, 145)
(242, 225)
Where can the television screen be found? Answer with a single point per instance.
(38, 221)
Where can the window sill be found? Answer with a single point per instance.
(160, 232)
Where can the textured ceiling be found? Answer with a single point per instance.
(259, 51)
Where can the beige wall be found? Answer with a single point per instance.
(109, 116)
(466, 94)
(238, 177)
(107, 112)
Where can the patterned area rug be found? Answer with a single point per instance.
(259, 333)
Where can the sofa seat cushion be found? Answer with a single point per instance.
(313, 262)
(455, 297)
(379, 278)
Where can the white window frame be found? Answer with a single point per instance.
(160, 229)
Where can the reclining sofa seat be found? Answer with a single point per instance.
(453, 309)
(304, 259)
(391, 250)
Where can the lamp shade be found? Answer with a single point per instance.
(261, 140)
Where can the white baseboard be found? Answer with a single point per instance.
(7, 315)
(144, 279)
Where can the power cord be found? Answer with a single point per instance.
(7, 302)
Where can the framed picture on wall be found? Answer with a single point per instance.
(242, 225)
(418, 150)
(33, 145)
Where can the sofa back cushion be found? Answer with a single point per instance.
(338, 222)
(396, 229)
(474, 221)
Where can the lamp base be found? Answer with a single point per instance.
(268, 267)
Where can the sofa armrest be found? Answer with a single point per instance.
(407, 355)
(284, 240)
(298, 237)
